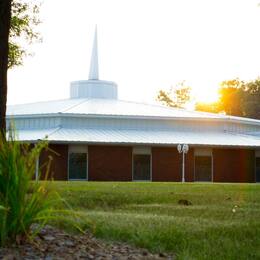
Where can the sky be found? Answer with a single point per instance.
(144, 46)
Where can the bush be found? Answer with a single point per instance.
(22, 201)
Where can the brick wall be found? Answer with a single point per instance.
(189, 166)
(59, 164)
(109, 163)
(233, 165)
(114, 163)
(167, 163)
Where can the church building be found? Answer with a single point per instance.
(98, 137)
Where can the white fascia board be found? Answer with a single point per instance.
(146, 144)
(248, 147)
(246, 121)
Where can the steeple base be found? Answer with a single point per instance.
(93, 89)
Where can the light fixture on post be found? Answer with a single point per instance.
(183, 148)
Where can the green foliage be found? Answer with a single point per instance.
(240, 98)
(23, 30)
(236, 98)
(164, 98)
(178, 96)
(231, 94)
(22, 202)
(207, 107)
(251, 99)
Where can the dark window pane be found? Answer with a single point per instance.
(203, 168)
(77, 166)
(141, 167)
(257, 169)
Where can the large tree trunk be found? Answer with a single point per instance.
(5, 19)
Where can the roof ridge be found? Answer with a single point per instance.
(73, 106)
(168, 107)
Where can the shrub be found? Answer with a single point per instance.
(22, 201)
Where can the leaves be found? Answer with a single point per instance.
(22, 202)
(3, 208)
(208, 107)
(177, 97)
(24, 21)
(236, 98)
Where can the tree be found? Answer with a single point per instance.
(236, 98)
(231, 94)
(24, 20)
(5, 23)
(250, 101)
(177, 96)
(208, 107)
(17, 21)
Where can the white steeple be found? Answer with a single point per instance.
(93, 70)
(93, 87)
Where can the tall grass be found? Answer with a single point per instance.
(22, 201)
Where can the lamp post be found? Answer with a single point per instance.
(183, 148)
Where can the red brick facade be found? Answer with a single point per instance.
(59, 161)
(233, 165)
(114, 163)
(167, 164)
(189, 166)
(109, 163)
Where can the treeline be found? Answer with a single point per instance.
(236, 98)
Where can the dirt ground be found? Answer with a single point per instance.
(52, 243)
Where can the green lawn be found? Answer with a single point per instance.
(148, 215)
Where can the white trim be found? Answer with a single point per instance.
(78, 148)
(212, 168)
(151, 167)
(142, 150)
(37, 169)
(215, 117)
(202, 152)
(255, 169)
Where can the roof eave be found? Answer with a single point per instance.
(192, 145)
(230, 119)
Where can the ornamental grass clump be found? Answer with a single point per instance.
(22, 201)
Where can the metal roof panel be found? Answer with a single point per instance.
(114, 136)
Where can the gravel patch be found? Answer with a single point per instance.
(54, 244)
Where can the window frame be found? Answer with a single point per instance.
(142, 151)
(256, 157)
(77, 149)
(203, 152)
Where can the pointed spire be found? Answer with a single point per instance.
(93, 71)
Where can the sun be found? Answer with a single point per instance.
(205, 93)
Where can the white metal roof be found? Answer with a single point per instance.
(110, 107)
(93, 114)
(115, 136)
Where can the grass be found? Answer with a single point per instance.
(22, 202)
(223, 221)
